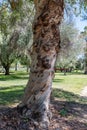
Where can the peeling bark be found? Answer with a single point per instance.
(46, 45)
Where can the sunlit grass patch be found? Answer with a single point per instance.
(71, 82)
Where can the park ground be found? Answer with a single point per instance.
(69, 108)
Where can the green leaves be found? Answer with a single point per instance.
(15, 4)
(4, 21)
(14, 17)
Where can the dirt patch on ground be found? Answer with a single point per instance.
(66, 116)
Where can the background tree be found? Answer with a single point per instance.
(25, 60)
(79, 65)
(15, 29)
(70, 48)
(85, 59)
(84, 35)
(7, 52)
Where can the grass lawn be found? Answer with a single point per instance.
(64, 87)
(72, 82)
(12, 87)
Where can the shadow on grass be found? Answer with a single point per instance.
(70, 103)
(11, 87)
(71, 108)
(11, 95)
(58, 80)
(13, 77)
(68, 96)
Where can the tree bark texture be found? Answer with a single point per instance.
(46, 44)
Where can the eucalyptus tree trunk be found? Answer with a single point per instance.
(46, 44)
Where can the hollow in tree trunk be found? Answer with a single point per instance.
(46, 44)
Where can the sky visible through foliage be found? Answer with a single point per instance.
(80, 23)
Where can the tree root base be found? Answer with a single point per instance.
(40, 121)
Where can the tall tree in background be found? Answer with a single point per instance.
(8, 41)
(85, 51)
(71, 43)
(46, 44)
(85, 59)
(15, 30)
(84, 35)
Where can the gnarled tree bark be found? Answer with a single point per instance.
(46, 44)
